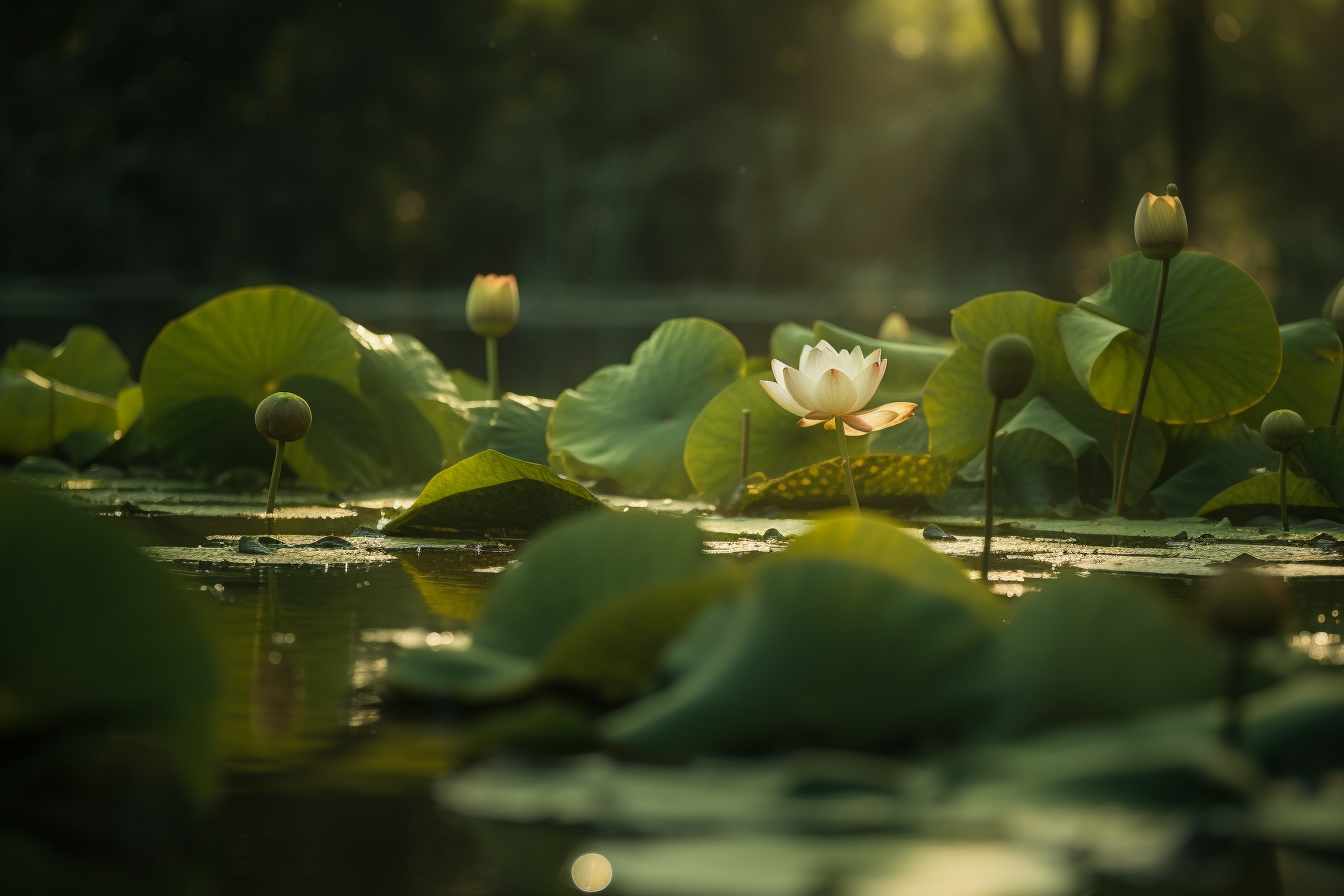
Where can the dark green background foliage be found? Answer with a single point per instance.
(778, 142)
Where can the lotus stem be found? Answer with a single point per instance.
(746, 444)
(989, 488)
(492, 365)
(1115, 454)
(51, 417)
(1143, 390)
(1283, 489)
(275, 476)
(1339, 398)
(844, 462)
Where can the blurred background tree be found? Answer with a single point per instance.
(933, 149)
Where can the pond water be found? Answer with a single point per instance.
(325, 792)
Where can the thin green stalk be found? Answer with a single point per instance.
(746, 445)
(1339, 398)
(1115, 454)
(989, 488)
(844, 462)
(1283, 489)
(1143, 390)
(492, 365)
(275, 477)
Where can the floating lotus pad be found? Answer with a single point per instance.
(778, 444)
(205, 373)
(1219, 351)
(491, 493)
(629, 422)
(879, 479)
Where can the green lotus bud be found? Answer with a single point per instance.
(1282, 430)
(284, 417)
(492, 304)
(1159, 225)
(1242, 605)
(1009, 360)
(894, 328)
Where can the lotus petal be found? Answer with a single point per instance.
(801, 387)
(866, 383)
(834, 393)
(782, 397)
(882, 416)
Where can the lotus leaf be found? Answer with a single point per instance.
(49, 394)
(909, 365)
(106, 644)
(1222, 465)
(1037, 452)
(492, 493)
(879, 479)
(1218, 353)
(911, 437)
(205, 373)
(631, 420)
(1309, 378)
(787, 341)
(419, 410)
(818, 652)
(567, 573)
(958, 406)
(1321, 455)
(1068, 656)
(1259, 496)
(469, 387)
(515, 425)
(778, 444)
(881, 545)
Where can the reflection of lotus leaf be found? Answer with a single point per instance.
(879, 479)
(958, 406)
(205, 373)
(777, 443)
(491, 493)
(630, 421)
(1219, 350)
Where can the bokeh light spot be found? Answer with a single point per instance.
(409, 206)
(591, 872)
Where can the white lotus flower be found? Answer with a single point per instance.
(830, 385)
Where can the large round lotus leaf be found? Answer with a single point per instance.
(99, 639)
(1309, 378)
(630, 420)
(420, 412)
(777, 443)
(1321, 456)
(822, 653)
(514, 425)
(958, 406)
(909, 365)
(1036, 458)
(1259, 496)
(787, 341)
(49, 394)
(1218, 351)
(1068, 656)
(881, 545)
(1220, 466)
(206, 372)
(572, 569)
(490, 493)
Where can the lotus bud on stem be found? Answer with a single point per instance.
(1160, 230)
(492, 311)
(1243, 608)
(1009, 361)
(282, 417)
(1282, 431)
(1337, 321)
